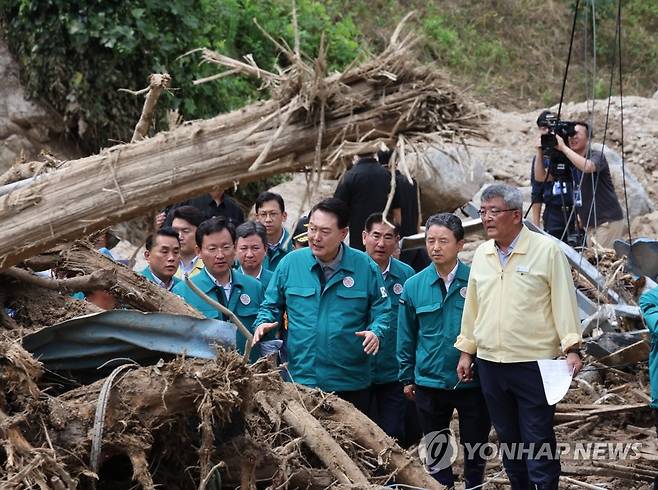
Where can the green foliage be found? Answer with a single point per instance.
(513, 52)
(76, 55)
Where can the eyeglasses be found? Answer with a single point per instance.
(493, 212)
(225, 249)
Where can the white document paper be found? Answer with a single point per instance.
(556, 376)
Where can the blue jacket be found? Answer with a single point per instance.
(649, 307)
(246, 297)
(428, 325)
(273, 258)
(323, 350)
(148, 274)
(385, 364)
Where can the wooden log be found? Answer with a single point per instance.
(144, 399)
(99, 279)
(581, 484)
(626, 469)
(600, 410)
(408, 470)
(639, 351)
(321, 443)
(385, 97)
(130, 288)
(607, 472)
(157, 83)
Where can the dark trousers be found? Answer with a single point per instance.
(359, 398)
(388, 407)
(517, 405)
(412, 431)
(555, 220)
(435, 408)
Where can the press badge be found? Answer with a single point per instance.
(559, 188)
(522, 269)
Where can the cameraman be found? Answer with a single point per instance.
(605, 223)
(557, 196)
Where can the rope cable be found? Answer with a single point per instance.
(621, 118)
(566, 69)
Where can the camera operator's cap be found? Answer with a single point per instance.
(542, 120)
(300, 235)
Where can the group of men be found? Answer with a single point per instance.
(367, 327)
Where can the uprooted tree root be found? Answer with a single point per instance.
(185, 423)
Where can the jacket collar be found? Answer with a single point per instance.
(346, 261)
(206, 284)
(521, 245)
(461, 276)
(394, 269)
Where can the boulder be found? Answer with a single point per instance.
(639, 202)
(26, 127)
(293, 192)
(448, 177)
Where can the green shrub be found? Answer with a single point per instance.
(76, 55)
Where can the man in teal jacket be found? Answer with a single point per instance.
(163, 257)
(388, 402)
(239, 293)
(429, 322)
(251, 247)
(649, 307)
(337, 305)
(271, 213)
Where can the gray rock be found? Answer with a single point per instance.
(639, 202)
(448, 177)
(24, 125)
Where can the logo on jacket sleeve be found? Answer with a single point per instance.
(245, 299)
(397, 288)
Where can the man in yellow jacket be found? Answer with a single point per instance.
(520, 308)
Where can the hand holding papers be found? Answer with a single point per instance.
(556, 376)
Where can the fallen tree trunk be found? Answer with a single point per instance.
(130, 288)
(406, 470)
(322, 444)
(388, 96)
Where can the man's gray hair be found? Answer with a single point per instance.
(511, 195)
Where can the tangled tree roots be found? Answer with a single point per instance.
(187, 422)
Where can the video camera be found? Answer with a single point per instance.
(560, 167)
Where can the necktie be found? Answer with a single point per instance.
(322, 277)
(442, 286)
(221, 299)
